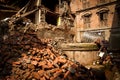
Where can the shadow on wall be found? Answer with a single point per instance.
(115, 29)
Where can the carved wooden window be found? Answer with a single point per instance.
(103, 16)
(86, 19)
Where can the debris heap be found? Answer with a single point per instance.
(23, 56)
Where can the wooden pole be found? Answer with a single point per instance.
(38, 13)
(38, 17)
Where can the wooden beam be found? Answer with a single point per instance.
(23, 8)
(38, 13)
(13, 11)
(28, 13)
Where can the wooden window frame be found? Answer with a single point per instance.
(87, 21)
(103, 18)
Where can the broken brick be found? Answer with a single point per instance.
(36, 75)
(57, 73)
(31, 58)
(31, 66)
(41, 72)
(34, 62)
(16, 63)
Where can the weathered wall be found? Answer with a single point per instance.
(55, 34)
(83, 57)
(85, 53)
(94, 19)
(110, 34)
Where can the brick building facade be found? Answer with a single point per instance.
(97, 19)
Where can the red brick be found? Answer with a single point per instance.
(41, 63)
(35, 75)
(46, 76)
(52, 78)
(36, 58)
(49, 63)
(57, 73)
(26, 75)
(34, 49)
(30, 57)
(48, 51)
(52, 56)
(41, 72)
(34, 62)
(27, 47)
(56, 78)
(47, 66)
(31, 66)
(37, 50)
(54, 70)
(33, 52)
(64, 66)
(24, 55)
(56, 60)
(66, 74)
(43, 78)
(16, 63)
(61, 60)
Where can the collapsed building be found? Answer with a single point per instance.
(28, 50)
(84, 20)
(73, 25)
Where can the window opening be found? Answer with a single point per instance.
(103, 19)
(86, 21)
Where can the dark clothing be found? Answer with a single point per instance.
(102, 44)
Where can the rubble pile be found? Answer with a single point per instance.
(25, 57)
